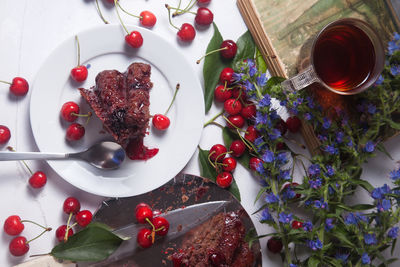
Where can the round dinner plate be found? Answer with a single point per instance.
(104, 48)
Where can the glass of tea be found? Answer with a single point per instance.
(347, 57)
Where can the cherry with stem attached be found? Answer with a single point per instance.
(133, 38)
(70, 111)
(146, 18)
(186, 32)
(99, 11)
(227, 50)
(19, 86)
(161, 121)
(80, 72)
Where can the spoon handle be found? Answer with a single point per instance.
(6, 156)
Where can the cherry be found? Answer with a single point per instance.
(147, 19)
(160, 122)
(229, 164)
(290, 185)
(254, 163)
(204, 16)
(281, 126)
(217, 152)
(79, 73)
(75, 132)
(18, 246)
(69, 110)
(187, 32)
(235, 121)
(13, 225)
(226, 76)
(232, 106)
(274, 245)
(144, 238)
(19, 86)
(83, 217)
(158, 223)
(60, 233)
(238, 93)
(140, 205)
(229, 49)
(293, 124)
(251, 134)
(134, 39)
(143, 213)
(297, 224)
(5, 134)
(71, 205)
(203, 1)
(224, 179)
(110, 1)
(248, 112)
(222, 93)
(38, 179)
(237, 147)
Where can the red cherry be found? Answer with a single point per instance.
(19, 86)
(281, 126)
(144, 238)
(229, 164)
(75, 132)
(71, 205)
(18, 246)
(13, 225)
(222, 93)
(60, 233)
(224, 179)
(226, 76)
(217, 152)
(204, 16)
(143, 213)
(235, 121)
(111, 1)
(134, 39)
(237, 147)
(79, 73)
(230, 49)
(297, 224)
(232, 106)
(187, 32)
(161, 122)
(254, 163)
(249, 112)
(290, 185)
(274, 245)
(293, 124)
(68, 110)
(84, 217)
(238, 93)
(38, 179)
(5, 134)
(140, 205)
(147, 19)
(159, 222)
(203, 1)
(251, 134)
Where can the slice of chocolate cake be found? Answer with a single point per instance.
(217, 242)
(121, 101)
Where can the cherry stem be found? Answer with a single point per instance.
(5, 82)
(119, 17)
(151, 224)
(101, 14)
(68, 227)
(213, 119)
(159, 229)
(37, 255)
(44, 231)
(29, 221)
(209, 159)
(228, 121)
(130, 14)
(181, 11)
(173, 98)
(246, 142)
(10, 148)
(222, 154)
(169, 16)
(216, 124)
(186, 9)
(211, 52)
(179, 4)
(79, 50)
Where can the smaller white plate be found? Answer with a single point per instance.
(104, 48)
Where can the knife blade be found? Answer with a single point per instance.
(181, 221)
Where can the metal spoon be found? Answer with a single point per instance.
(104, 155)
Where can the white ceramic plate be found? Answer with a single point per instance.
(104, 48)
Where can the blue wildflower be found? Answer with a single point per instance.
(285, 218)
(350, 219)
(393, 45)
(308, 226)
(377, 193)
(395, 70)
(370, 239)
(308, 202)
(268, 156)
(288, 194)
(310, 102)
(329, 170)
(385, 189)
(331, 191)
(324, 205)
(271, 198)
(371, 109)
(393, 232)
(315, 184)
(283, 103)
(274, 134)
(263, 183)
(369, 147)
(342, 257)
(307, 116)
(322, 137)
(252, 71)
(284, 175)
(282, 158)
(314, 245)
(339, 137)
(331, 149)
(262, 79)
(350, 143)
(395, 175)
(361, 217)
(88, 66)
(266, 101)
(327, 123)
(266, 215)
(365, 258)
(329, 224)
(258, 141)
(380, 80)
(314, 169)
(384, 205)
(250, 63)
(260, 169)
(292, 265)
(274, 115)
(237, 76)
(262, 119)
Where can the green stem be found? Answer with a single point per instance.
(181, 11)
(29, 221)
(213, 119)
(216, 124)
(68, 227)
(23, 162)
(211, 52)
(79, 50)
(100, 13)
(259, 94)
(179, 4)
(119, 17)
(5, 82)
(44, 231)
(130, 14)
(173, 98)
(169, 16)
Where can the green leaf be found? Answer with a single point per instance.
(382, 148)
(364, 184)
(246, 48)
(208, 171)
(213, 65)
(393, 246)
(273, 81)
(361, 207)
(313, 262)
(94, 243)
(261, 64)
(229, 136)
